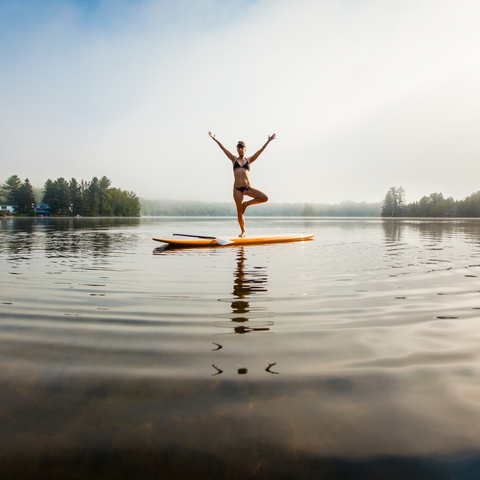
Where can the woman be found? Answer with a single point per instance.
(241, 185)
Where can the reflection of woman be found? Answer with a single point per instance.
(247, 283)
(241, 185)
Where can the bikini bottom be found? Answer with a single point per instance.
(243, 189)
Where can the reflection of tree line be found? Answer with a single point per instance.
(62, 236)
(247, 283)
(429, 229)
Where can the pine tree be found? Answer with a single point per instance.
(50, 195)
(308, 210)
(95, 197)
(388, 208)
(394, 203)
(105, 207)
(85, 195)
(62, 195)
(75, 196)
(10, 188)
(400, 202)
(25, 197)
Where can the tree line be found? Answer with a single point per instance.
(434, 205)
(84, 198)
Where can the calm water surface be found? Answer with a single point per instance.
(355, 355)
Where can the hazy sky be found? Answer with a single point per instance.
(362, 94)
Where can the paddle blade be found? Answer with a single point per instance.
(223, 241)
(220, 241)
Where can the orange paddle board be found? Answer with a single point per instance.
(248, 240)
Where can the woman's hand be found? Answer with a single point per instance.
(270, 138)
(212, 135)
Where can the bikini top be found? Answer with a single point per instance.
(246, 165)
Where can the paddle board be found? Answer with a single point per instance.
(248, 240)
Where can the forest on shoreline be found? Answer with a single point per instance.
(93, 198)
(434, 205)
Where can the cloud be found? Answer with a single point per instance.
(362, 94)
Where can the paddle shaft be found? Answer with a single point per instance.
(194, 236)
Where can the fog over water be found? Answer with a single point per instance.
(362, 94)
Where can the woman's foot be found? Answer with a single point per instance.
(242, 235)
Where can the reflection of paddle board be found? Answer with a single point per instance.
(249, 240)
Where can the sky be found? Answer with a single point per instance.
(363, 95)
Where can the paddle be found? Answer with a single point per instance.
(220, 241)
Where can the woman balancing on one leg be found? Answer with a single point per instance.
(241, 185)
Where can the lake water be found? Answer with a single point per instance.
(355, 355)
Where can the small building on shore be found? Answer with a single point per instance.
(42, 209)
(8, 208)
(451, 212)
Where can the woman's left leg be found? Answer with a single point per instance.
(257, 197)
(238, 197)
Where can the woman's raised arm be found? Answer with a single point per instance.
(256, 155)
(225, 151)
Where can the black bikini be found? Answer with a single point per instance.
(244, 189)
(246, 165)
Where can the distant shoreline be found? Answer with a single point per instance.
(175, 208)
